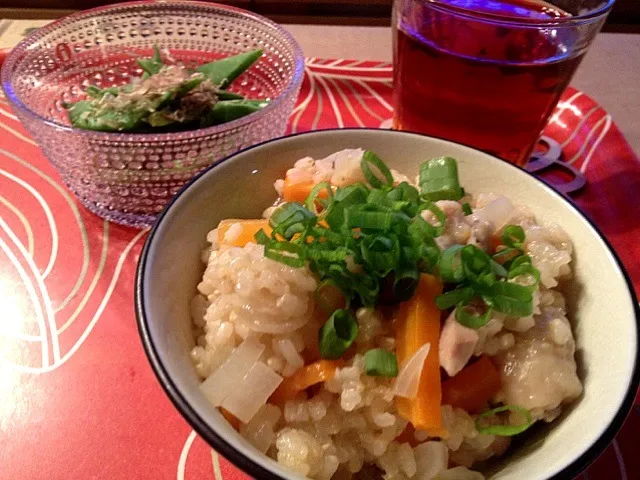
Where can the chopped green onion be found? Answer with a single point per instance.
(509, 298)
(310, 202)
(525, 269)
(337, 334)
(261, 237)
(355, 217)
(504, 430)
(466, 208)
(405, 283)
(380, 363)
(450, 265)
(321, 301)
(368, 159)
(427, 251)
(498, 269)
(343, 198)
(506, 254)
(440, 215)
(454, 297)
(439, 179)
(284, 252)
(381, 253)
(513, 236)
(467, 316)
(477, 267)
(289, 219)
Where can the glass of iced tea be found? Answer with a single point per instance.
(488, 73)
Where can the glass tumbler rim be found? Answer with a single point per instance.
(28, 43)
(586, 18)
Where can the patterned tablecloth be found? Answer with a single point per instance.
(77, 396)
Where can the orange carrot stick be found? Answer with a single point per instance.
(247, 233)
(298, 192)
(473, 387)
(305, 377)
(418, 323)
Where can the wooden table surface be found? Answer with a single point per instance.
(610, 72)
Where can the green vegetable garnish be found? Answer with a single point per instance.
(513, 236)
(152, 65)
(337, 334)
(439, 179)
(510, 298)
(450, 264)
(379, 229)
(504, 430)
(454, 297)
(380, 363)
(223, 72)
(466, 208)
(168, 97)
(467, 316)
(370, 159)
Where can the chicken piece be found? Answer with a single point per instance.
(457, 344)
(539, 371)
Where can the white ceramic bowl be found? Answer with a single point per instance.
(602, 305)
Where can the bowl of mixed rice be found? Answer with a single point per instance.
(377, 304)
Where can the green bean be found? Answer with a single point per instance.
(228, 110)
(223, 72)
(152, 65)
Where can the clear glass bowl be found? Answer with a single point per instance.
(128, 178)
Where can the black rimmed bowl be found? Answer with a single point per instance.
(603, 307)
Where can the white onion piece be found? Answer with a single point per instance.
(253, 392)
(226, 378)
(498, 212)
(409, 377)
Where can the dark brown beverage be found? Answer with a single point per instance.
(483, 84)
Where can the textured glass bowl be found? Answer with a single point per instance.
(128, 178)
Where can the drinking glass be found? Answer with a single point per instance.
(488, 73)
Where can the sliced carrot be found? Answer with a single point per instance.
(246, 235)
(298, 192)
(418, 322)
(495, 241)
(230, 417)
(473, 387)
(305, 377)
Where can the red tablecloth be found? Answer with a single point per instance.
(77, 396)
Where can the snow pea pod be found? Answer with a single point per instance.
(229, 110)
(152, 65)
(223, 72)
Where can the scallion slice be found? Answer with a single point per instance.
(477, 266)
(439, 179)
(310, 202)
(450, 265)
(405, 283)
(285, 252)
(337, 334)
(356, 217)
(509, 298)
(466, 208)
(504, 430)
(525, 269)
(454, 297)
(381, 253)
(469, 317)
(380, 363)
(370, 159)
(513, 236)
